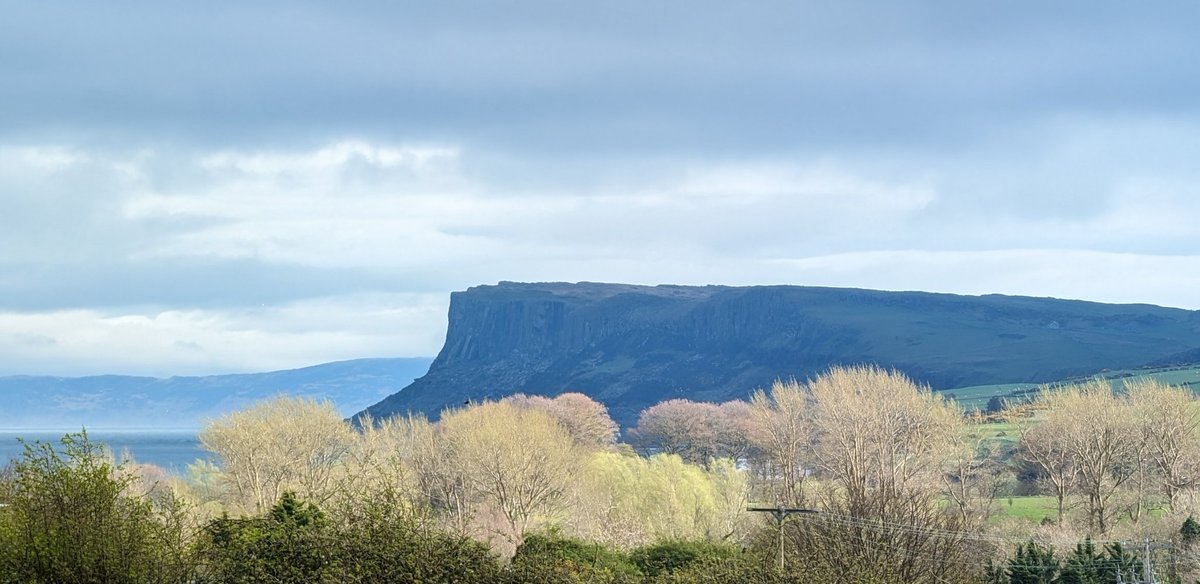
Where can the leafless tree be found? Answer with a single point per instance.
(879, 434)
(780, 429)
(279, 443)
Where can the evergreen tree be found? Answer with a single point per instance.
(1190, 529)
(1121, 565)
(1084, 566)
(1033, 564)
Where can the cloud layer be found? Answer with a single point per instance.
(254, 185)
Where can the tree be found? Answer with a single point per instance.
(780, 429)
(277, 444)
(875, 430)
(1168, 421)
(585, 419)
(520, 461)
(1101, 438)
(973, 475)
(628, 501)
(1047, 444)
(679, 426)
(1032, 564)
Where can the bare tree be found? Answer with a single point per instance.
(879, 434)
(1168, 421)
(1100, 437)
(279, 443)
(1047, 444)
(780, 429)
(680, 426)
(586, 419)
(973, 476)
(520, 461)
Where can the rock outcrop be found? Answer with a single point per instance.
(632, 346)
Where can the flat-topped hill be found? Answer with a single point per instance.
(632, 346)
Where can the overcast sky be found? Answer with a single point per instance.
(212, 187)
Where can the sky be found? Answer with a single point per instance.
(196, 188)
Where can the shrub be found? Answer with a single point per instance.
(71, 517)
(670, 556)
(552, 558)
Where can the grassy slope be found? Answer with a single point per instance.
(977, 396)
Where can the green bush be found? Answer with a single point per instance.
(382, 540)
(71, 516)
(291, 543)
(742, 569)
(669, 556)
(555, 559)
(374, 540)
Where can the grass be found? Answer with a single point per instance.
(1032, 508)
(1002, 432)
(977, 396)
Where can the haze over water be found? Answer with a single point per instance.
(170, 449)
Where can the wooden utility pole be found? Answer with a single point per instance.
(780, 513)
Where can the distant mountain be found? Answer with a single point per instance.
(632, 346)
(124, 401)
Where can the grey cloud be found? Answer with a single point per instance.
(544, 75)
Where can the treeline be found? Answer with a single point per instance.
(906, 488)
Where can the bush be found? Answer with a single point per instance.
(71, 517)
(741, 569)
(670, 556)
(552, 558)
(288, 544)
(382, 540)
(375, 540)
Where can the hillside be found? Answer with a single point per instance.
(632, 346)
(125, 401)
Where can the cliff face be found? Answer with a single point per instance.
(632, 346)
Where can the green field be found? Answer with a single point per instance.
(1032, 508)
(977, 396)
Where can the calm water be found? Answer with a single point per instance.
(170, 449)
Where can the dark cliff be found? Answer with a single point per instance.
(632, 346)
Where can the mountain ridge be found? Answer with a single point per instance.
(118, 400)
(630, 346)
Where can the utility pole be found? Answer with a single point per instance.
(780, 513)
(1146, 564)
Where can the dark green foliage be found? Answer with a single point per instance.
(71, 517)
(1122, 565)
(742, 569)
(1190, 530)
(553, 559)
(670, 556)
(374, 541)
(1084, 566)
(293, 512)
(994, 405)
(993, 574)
(1032, 564)
(283, 546)
(381, 540)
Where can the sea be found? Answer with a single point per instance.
(170, 448)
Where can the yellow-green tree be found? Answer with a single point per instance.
(519, 461)
(277, 444)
